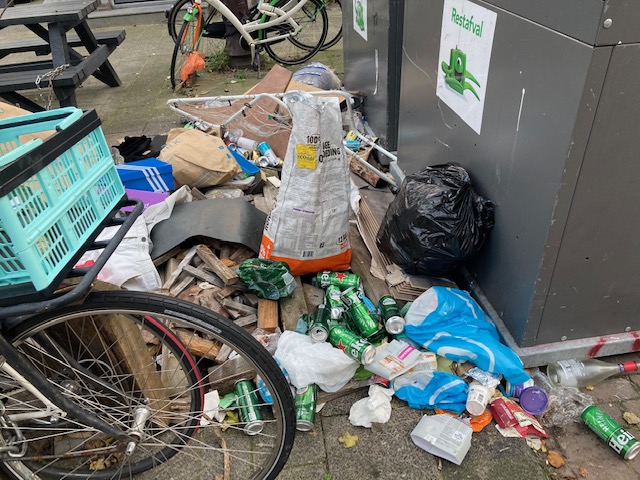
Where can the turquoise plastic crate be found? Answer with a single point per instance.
(48, 217)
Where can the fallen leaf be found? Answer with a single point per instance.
(555, 459)
(584, 473)
(590, 387)
(631, 418)
(348, 440)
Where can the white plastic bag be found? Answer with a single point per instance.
(376, 408)
(310, 362)
(309, 226)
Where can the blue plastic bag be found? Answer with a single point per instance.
(432, 390)
(448, 322)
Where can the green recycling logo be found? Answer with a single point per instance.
(456, 74)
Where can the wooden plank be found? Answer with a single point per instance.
(167, 256)
(127, 345)
(225, 252)
(360, 261)
(293, 307)
(243, 253)
(268, 315)
(246, 321)
(175, 274)
(229, 304)
(228, 276)
(207, 299)
(223, 354)
(182, 285)
(251, 299)
(314, 296)
(228, 262)
(196, 345)
(204, 276)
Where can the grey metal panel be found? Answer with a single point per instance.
(579, 19)
(518, 166)
(591, 94)
(373, 66)
(624, 16)
(595, 283)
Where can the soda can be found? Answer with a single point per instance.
(319, 324)
(343, 280)
(306, 407)
(248, 405)
(246, 143)
(262, 162)
(265, 151)
(352, 344)
(622, 442)
(393, 322)
(359, 313)
(334, 301)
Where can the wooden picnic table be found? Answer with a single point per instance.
(66, 68)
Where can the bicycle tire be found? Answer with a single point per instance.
(176, 14)
(295, 50)
(89, 351)
(190, 40)
(334, 28)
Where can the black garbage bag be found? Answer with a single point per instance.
(436, 222)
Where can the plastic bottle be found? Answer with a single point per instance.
(581, 373)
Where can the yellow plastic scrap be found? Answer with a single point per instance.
(231, 419)
(348, 440)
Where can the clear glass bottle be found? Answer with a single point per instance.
(581, 373)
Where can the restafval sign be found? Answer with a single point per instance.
(466, 41)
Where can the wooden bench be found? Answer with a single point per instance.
(111, 38)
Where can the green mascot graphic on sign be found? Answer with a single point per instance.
(456, 74)
(359, 15)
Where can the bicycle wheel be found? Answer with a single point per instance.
(139, 359)
(313, 20)
(334, 28)
(175, 16)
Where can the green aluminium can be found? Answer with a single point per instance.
(319, 324)
(334, 301)
(359, 314)
(352, 344)
(249, 406)
(622, 442)
(306, 407)
(342, 280)
(393, 322)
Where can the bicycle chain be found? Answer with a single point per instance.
(15, 445)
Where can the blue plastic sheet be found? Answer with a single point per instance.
(448, 322)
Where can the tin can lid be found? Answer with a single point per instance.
(632, 452)
(254, 428)
(368, 355)
(394, 325)
(534, 400)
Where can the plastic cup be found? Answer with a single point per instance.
(534, 400)
(478, 398)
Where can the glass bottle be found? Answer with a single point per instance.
(581, 373)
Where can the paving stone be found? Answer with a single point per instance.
(583, 448)
(615, 389)
(307, 472)
(309, 447)
(386, 453)
(493, 456)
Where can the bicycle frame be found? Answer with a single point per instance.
(245, 29)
